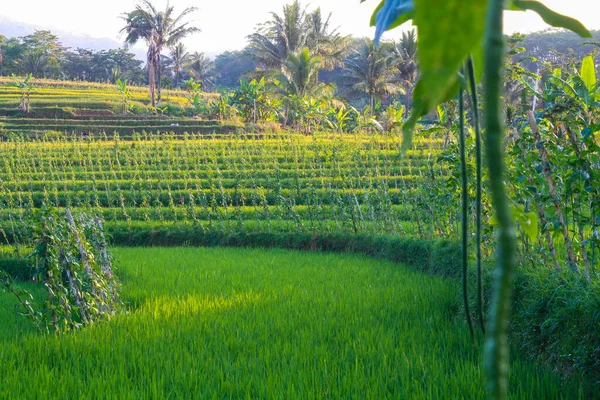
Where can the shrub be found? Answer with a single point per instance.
(70, 259)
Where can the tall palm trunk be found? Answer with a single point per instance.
(151, 78)
(158, 75)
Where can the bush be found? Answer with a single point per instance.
(71, 261)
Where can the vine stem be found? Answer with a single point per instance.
(496, 346)
(464, 211)
(478, 162)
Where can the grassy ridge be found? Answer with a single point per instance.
(215, 323)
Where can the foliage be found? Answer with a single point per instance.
(125, 93)
(443, 47)
(177, 61)
(252, 101)
(202, 69)
(71, 261)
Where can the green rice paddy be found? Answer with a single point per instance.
(241, 324)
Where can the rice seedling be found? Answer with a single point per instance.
(215, 323)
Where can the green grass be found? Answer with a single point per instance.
(235, 323)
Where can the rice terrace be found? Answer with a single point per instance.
(390, 200)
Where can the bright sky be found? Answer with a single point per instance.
(226, 23)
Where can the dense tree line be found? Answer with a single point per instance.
(42, 55)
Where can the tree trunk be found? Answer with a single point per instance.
(151, 80)
(158, 76)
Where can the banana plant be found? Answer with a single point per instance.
(393, 117)
(581, 90)
(26, 87)
(125, 93)
(252, 101)
(339, 119)
(365, 120)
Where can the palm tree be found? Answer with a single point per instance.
(177, 61)
(2, 39)
(202, 69)
(159, 29)
(406, 51)
(295, 29)
(327, 43)
(300, 76)
(373, 71)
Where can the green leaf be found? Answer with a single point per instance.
(449, 31)
(528, 221)
(588, 73)
(569, 91)
(553, 18)
(531, 88)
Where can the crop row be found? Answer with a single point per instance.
(123, 131)
(360, 183)
(144, 183)
(167, 195)
(125, 122)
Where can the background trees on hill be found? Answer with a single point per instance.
(102, 66)
(231, 66)
(42, 54)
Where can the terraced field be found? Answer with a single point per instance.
(279, 183)
(87, 108)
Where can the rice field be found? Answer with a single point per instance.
(272, 183)
(236, 323)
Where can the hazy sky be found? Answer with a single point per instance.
(226, 23)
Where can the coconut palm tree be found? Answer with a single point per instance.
(373, 71)
(177, 60)
(201, 68)
(159, 29)
(300, 76)
(406, 51)
(295, 29)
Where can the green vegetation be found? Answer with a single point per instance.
(305, 151)
(212, 323)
